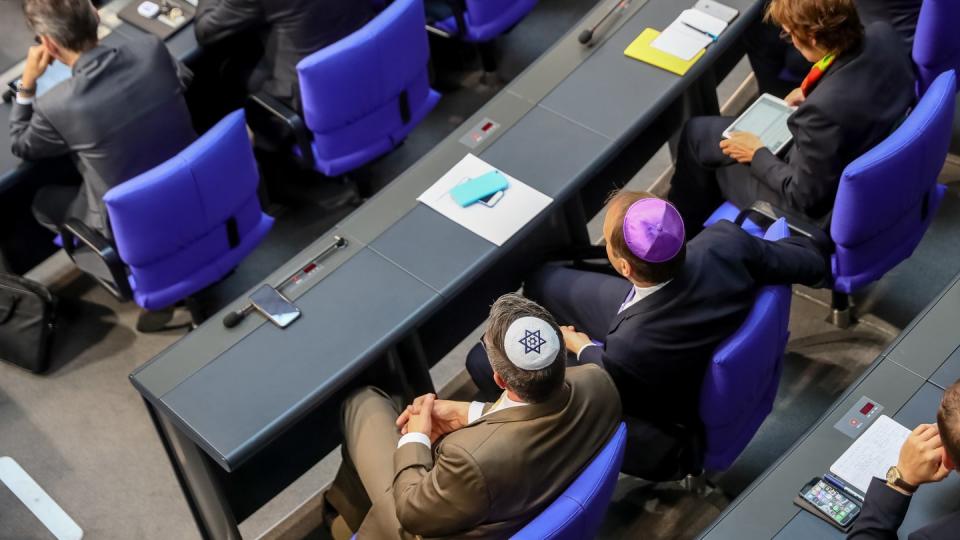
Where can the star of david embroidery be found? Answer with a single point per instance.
(532, 341)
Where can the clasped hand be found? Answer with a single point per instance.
(433, 417)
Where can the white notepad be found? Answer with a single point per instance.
(520, 203)
(684, 42)
(871, 454)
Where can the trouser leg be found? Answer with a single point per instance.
(370, 436)
(693, 188)
(51, 205)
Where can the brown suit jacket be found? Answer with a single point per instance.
(489, 479)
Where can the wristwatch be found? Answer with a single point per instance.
(895, 479)
(23, 91)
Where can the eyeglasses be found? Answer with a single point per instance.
(786, 35)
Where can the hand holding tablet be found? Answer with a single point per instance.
(767, 119)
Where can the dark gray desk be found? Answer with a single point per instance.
(389, 301)
(908, 380)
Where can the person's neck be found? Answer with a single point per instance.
(641, 283)
(512, 396)
(70, 57)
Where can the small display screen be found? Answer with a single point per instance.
(866, 409)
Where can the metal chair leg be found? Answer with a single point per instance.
(841, 313)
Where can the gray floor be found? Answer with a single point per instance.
(82, 432)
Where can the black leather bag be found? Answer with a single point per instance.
(27, 311)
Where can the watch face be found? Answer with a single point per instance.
(893, 474)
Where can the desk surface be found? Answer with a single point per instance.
(232, 391)
(908, 379)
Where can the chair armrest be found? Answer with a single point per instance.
(817, 231)
(260, 108)
(97, 257)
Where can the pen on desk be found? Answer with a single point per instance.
(842, 485)
(694, 28)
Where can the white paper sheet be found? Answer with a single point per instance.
(684, 42)
(680, 41)
(703, 21)
(875, 451)
(520, 202)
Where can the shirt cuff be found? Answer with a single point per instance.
(475, 411)
(584, 347)
(414, 437)
(25, 100)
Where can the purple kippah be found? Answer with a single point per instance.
(653, 230)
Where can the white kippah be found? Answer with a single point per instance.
(531, 343)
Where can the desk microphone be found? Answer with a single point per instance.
(587, 35)
(234, 318)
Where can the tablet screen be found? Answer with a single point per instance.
(767, 118)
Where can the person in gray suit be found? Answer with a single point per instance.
(121, 113)
(290, 30)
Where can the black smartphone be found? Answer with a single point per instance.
(831, 501)
(274, 306)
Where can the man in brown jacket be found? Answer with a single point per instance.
(476, 470)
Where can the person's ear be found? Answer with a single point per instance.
(947, 462)
(51, 46)
(623, 266)
(499, 380)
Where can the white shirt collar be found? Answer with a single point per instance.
(476, 408)
(640, 293)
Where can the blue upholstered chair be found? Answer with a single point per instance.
(482, 21)
(179, 227)
(886, 200)
(742, 380)
(936, 45)
(362, 95)
(578, 511)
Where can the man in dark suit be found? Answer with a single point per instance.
(770, 56)
(121, 112)
(859, 92)
(290, 30)
(662, 320)
(930, 453)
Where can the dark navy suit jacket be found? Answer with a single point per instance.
(883, 512)
(657, 350)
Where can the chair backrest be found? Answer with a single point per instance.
(888, 196)
(487, 19)
(578, 511)
(363, 94)
(742, 380)
(936, 45)
(187, 222)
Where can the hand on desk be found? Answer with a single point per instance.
(433, 417)
(741, 146)
(795, 97)
(573, 340)
(38, 59)
(921, 456)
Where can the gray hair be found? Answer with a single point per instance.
(70, 23)
(532, 386)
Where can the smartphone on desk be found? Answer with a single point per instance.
(831, 503)
(481, 188)
(274, 306)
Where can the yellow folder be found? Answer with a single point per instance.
(641, 50)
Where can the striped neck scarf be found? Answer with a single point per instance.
(816, 73)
